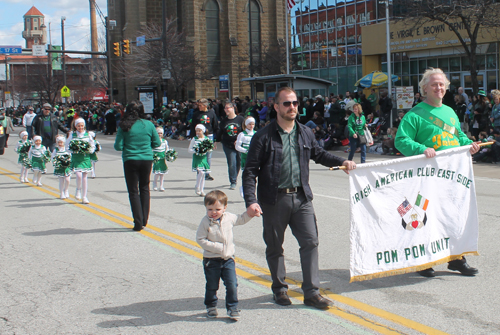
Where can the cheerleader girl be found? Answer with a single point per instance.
(93, 156)
(23, 156)
(62, 172)
(243, 143)
(160, 167)
(200, 162)
(80, 162)
(36, 155)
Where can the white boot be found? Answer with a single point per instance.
(78, 194)
(85, 201)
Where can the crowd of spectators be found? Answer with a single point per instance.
(479, 116)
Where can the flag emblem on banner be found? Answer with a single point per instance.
(404, 208)
(290, 4)
(421, 202)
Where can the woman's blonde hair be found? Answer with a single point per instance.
(495, 94)
(359, 107)
(425, 79)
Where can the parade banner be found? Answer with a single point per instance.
(412, 213)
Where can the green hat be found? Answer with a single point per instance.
(481, 93)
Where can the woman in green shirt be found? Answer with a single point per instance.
(356, 125)
(136, 138)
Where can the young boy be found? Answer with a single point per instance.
(215, 236)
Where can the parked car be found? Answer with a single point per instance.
(2, 136)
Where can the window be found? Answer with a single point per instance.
(455, 64)
(443, 64)
(432, 63)
(213, 41)
(254, 33)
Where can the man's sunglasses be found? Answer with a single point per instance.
(288, 103)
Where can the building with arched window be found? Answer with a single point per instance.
(237, 38)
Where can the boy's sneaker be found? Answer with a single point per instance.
(234, 314)
(212, 312)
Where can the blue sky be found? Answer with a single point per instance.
(77, 24)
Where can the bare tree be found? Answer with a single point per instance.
(271, 62)
(465, 18)
(146, 63)
(37, 80)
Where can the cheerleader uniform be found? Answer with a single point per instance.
(22, 155)
(242, 145)
(200, 163)
(63, 171)
(160, 166)
(23, 161)
(93, 156)
(81, 162)
(36, 156)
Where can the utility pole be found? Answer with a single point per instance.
(164, 47)
(108, 53)
(93, 28)
(250, 36)
(63, 18)
(7, 75)
(388, 51)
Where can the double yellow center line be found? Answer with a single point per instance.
(193, 249)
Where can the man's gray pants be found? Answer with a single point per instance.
(295, 211)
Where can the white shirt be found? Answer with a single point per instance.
(28, 119)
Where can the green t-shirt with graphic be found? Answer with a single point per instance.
(424, 127)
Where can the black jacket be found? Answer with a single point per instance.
(265, 157)
(55, 125)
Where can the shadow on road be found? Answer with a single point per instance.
(152, 313)
(72, 231)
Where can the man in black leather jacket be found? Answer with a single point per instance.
(40, 129)
(278, 158)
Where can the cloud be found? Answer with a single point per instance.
(12, 35)
(77, 23)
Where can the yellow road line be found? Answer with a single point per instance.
(106, 214)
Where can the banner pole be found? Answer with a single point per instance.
(335, 168)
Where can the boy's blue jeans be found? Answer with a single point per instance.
(215, 269)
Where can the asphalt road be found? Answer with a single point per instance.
(68, 268)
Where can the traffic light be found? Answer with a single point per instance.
(116, 48)
(126, 47)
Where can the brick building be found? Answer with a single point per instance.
(28, 82)
(219, 31)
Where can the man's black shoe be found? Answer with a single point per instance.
(318, 302)
(465, 269)
(427, 273)
(281, 298)
(209, 177)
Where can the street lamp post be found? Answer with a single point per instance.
(388, 50)
(7, 76)
(63, 18)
